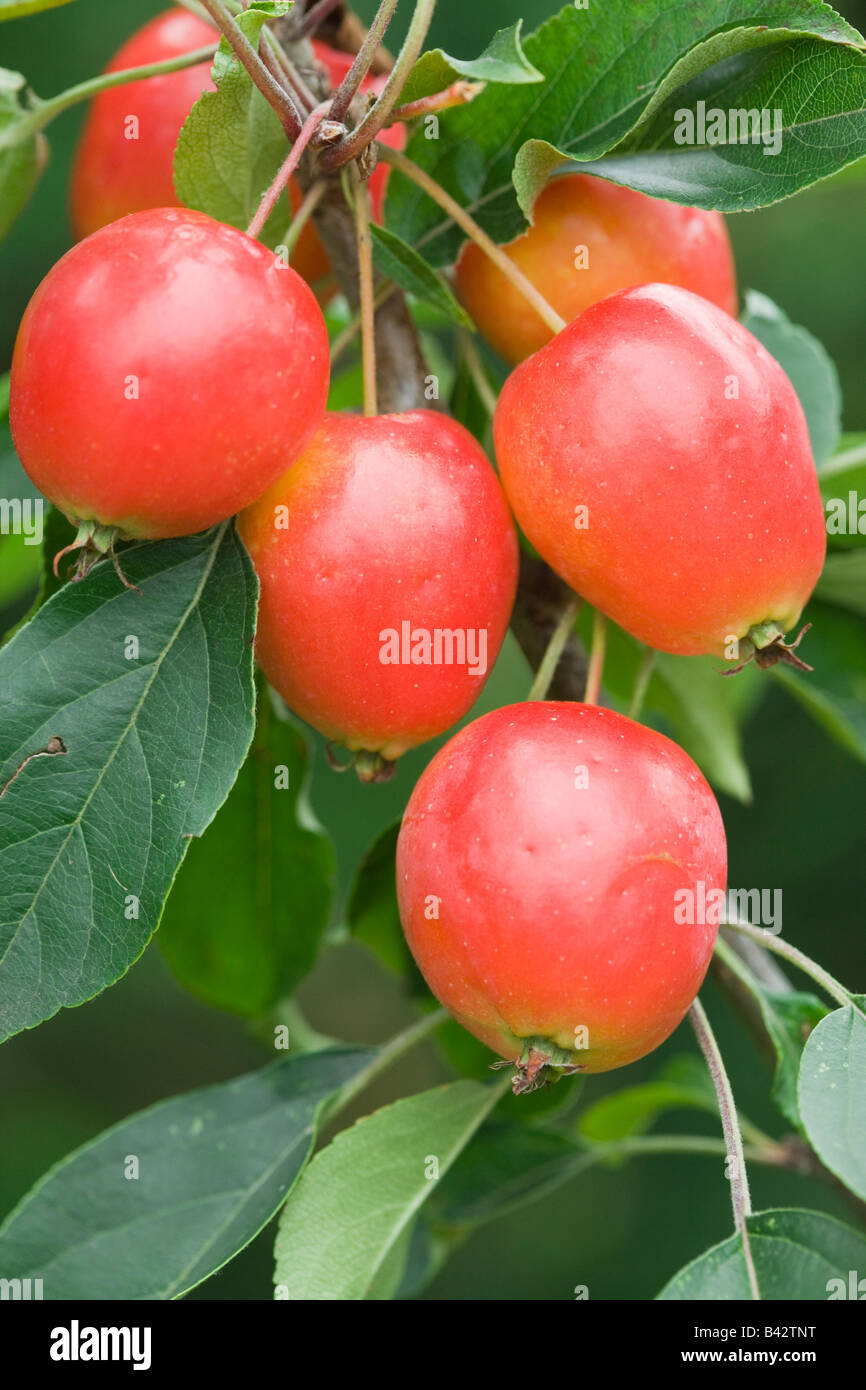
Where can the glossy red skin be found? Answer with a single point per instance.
(631, 239)
(556, 903)
(231, 352)
(704, 513)
(394, 518)
(113, 176)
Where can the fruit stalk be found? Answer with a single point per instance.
(290, 164)
(412, 171)
(740, 1198)
(380, 112)
(351, 83)
(46, 111)
(271, 90)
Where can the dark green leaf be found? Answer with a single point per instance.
(245, 918)
(502, 61)
(151, 694)
(599, 88)
(400, 263)
(372, 915)
(832, 1095)
(807, 364)
(233, 143)
(344, 1234)
(812, 85)
(688, 699)
(683, 1083)
(800, 1255)
(210, 1169)
(843, 489)
(506, 1165)
(835, 692)
(843, 580)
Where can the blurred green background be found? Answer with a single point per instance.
(623, 1232)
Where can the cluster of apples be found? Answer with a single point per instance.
(171, 372)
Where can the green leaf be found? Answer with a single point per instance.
(502, 61)
(843, 580)
(400, 263)
(801, 1255)
(21, 165)
(688, 699)
(704, 716)
(843, 488)
(600, 86)
(789, 1018)
(832, 1095)
(682, 1083)
(232, 143)
(91, 838)
(211, 1169)
(746, 69)
(808, 366)
(345, 1232)
(372, 915)
(16, 9)
(244, 921)
(506, 1165)
(835, 692)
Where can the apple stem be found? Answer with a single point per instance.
(351, 83)
(273, 92)
(641, 683)
(290, 164)
(554, 321)
(458, 94)
(596, 659)
(360, 200)
(315, 15)
(350, 332)
(740, 1198)
(803, 962)
(45, 111)
(475, 367)
(555, 648)
(379, 114)
(302, 216)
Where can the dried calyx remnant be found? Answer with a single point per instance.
(540, 1062)
(766, 646)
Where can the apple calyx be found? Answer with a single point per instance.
(92, 543)
(765, 645)
(369, 766)
(540, 1063)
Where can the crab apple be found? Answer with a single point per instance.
(125, 159)
(658, 458)
(589, 239)
(560, 872)
(166, 372)
(387, 559)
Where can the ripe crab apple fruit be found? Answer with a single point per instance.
(552, 868)
(388, 566)
(166, 371)
(589, 239)
(125, 159)
(658, 458)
